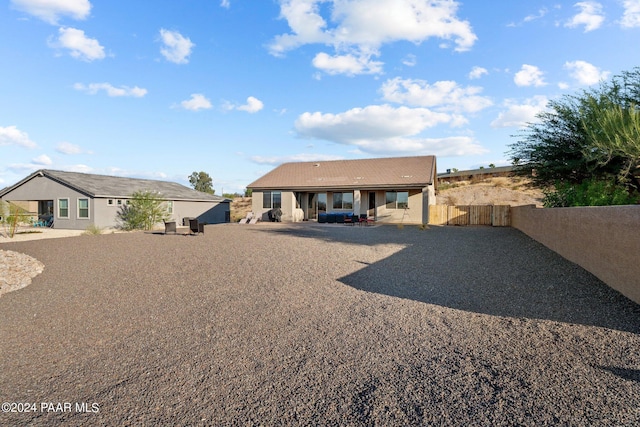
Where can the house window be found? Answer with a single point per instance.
(83, 208)
(170, 207)
(342, 200)
(110, 202)
(119, 202)
(63, 208)
(397, 199)
(272, 199)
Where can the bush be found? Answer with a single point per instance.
(591, 192)
(145, 210)
(93, 230)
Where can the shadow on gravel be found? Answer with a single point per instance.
(627, 374)
(496, 271)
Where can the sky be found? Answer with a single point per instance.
(159, 89)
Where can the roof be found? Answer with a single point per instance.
(392, 172)
(483, 171)
(118, 187)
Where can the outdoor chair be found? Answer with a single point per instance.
(348, 219)
(170, 227)
(195, 227)
(366, 220)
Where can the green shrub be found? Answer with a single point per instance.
(145, 210)
(590, 192)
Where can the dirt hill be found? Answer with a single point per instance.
(492, 191)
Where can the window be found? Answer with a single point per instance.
(342, 200)
(83, 208)
(397, 199)
(63, 208)
(110, 202)
(170, 207)
(272, 199)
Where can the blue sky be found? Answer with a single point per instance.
(159, 89)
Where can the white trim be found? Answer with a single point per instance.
(88, 208)
(58, 208)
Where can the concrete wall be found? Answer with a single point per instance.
(603, 240)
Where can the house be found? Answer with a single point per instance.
(474, 174)
(393, 190)
(78, 200)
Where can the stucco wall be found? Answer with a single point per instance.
(603, 240)
(207, 212)
(42, 188)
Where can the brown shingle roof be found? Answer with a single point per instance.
(393, 172)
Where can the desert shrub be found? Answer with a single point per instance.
(10, 216)
(590, 192)
(93, 230)
(145, 210)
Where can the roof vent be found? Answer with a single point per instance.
(315, 165)
(406, 176)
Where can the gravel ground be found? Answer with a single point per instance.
(280, 324)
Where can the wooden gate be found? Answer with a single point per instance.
(495, 215)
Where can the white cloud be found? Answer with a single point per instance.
(42, 160)
(177, 48)
(303, 157)
(69, 148)
(519, 115)
(442, 95)
(410, 60)
(11, 135)
(81, 46)
(225, 3)
(111, 90)
(346, 64)
(197, 102)
(477, 72)
(631, 16)
(253, 105)
(590, 16)
(585, 73)
(541, 13)
(529, 75)
(52, 10)
(383, 129)
(359, 28)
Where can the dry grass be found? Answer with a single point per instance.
(240, 207)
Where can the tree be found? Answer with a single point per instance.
(556, 148)
(616, 136)
(201, 181)
(144, 210)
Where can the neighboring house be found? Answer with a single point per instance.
(393, 190)
(78, 200)
(479, 174)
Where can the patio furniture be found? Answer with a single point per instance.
(170, 227)
(195, 227)
(275, 215)
(366, 220)
(348, 219)
(247, 219)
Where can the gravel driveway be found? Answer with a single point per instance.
(307, 324)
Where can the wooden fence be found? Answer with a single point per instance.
(495, 215)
